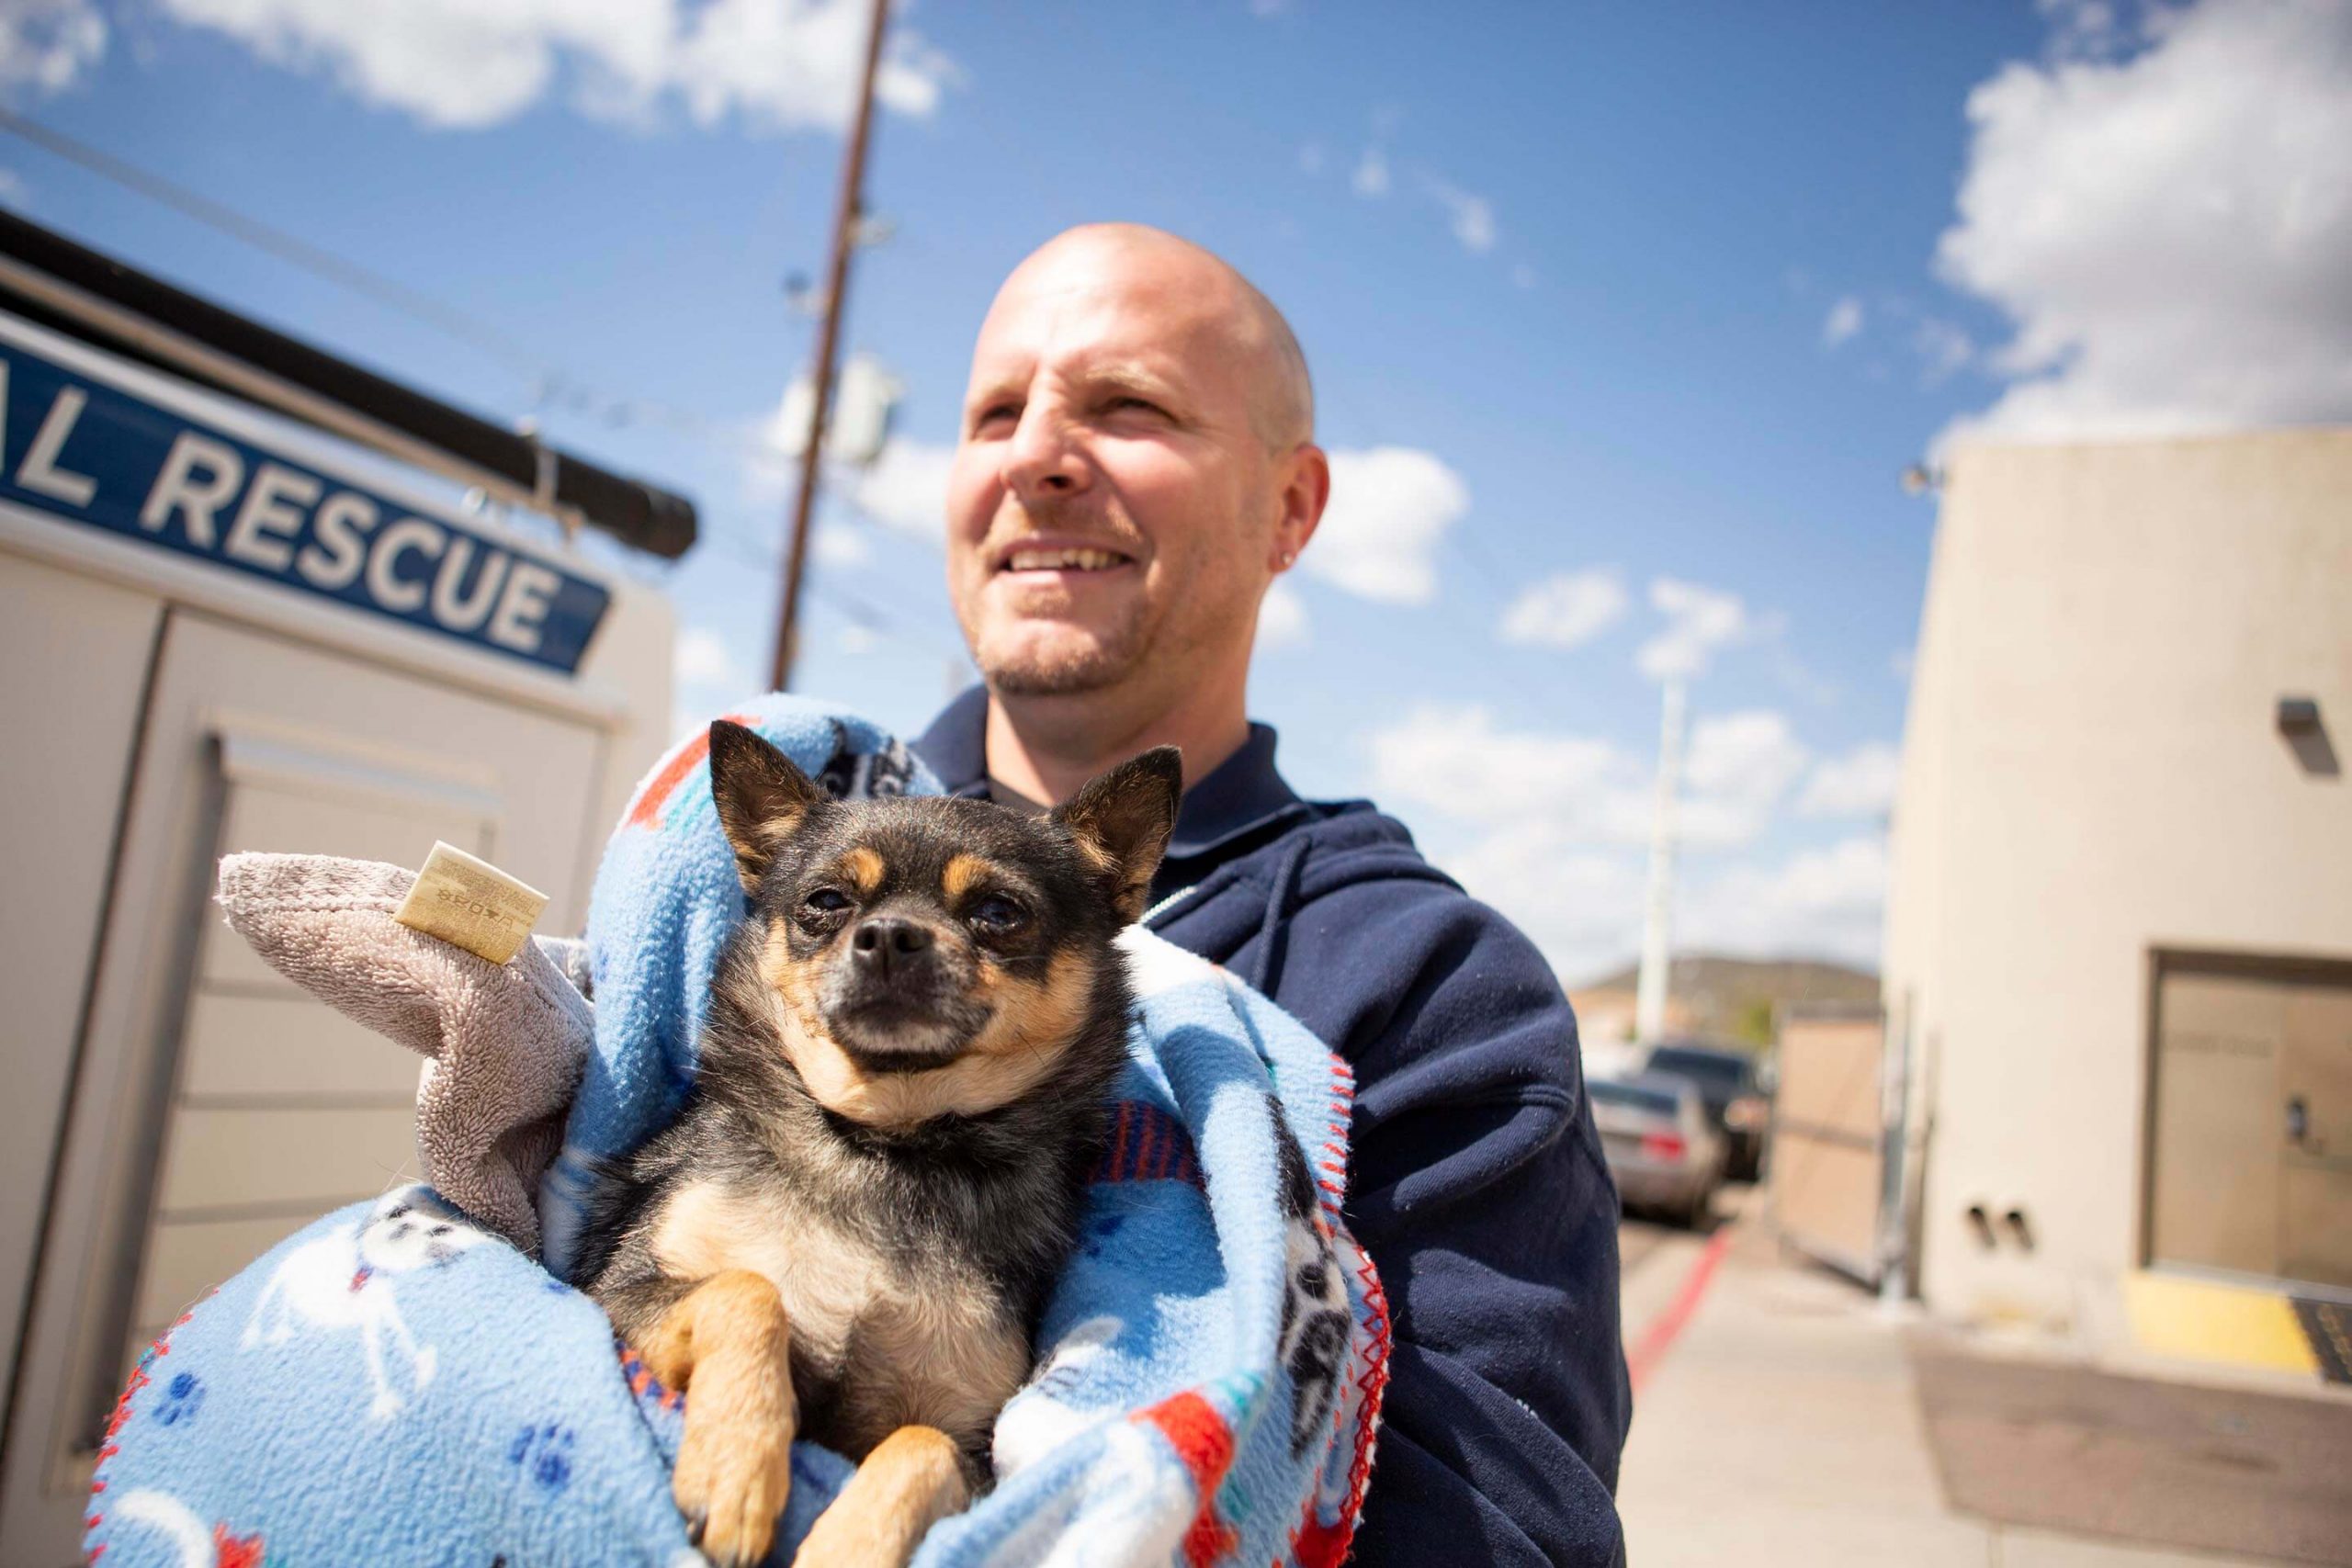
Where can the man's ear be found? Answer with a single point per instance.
(1122, 820)
(762, 799)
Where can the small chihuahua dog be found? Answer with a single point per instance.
(849, 1232)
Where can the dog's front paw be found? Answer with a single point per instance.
(913, 1479)
(731, 1483)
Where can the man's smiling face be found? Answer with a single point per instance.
(1115, 499)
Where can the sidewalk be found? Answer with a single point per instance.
(1782, 1426)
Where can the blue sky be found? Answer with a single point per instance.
(1638, 310)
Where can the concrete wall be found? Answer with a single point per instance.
(2092, 770)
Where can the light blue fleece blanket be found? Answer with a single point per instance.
(396, 1384)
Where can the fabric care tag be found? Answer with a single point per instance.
(471, 904)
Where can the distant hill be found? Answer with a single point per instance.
(1727, 999)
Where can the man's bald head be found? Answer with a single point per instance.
(1283, 395)
(1137, 465)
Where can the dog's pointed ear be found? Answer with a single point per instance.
(762, 799)
(1122, 820)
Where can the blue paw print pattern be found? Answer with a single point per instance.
(183, 1397)
(543, 1454)
(1100, 1232)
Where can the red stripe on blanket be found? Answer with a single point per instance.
(1147, 1145)
(685, 760)
(1205, 1443)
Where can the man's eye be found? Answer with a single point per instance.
(995, 415)
(997, 913)
(1136, 405)
(825, 901)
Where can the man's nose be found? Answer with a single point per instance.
(1040, 461)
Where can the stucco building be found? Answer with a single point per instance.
(2119, 947)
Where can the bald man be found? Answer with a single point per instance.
(1136, 465)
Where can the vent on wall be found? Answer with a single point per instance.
(2306, 736)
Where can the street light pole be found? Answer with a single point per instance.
(1652, 984)
(846, 218)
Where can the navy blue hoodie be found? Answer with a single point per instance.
(1476, 1182)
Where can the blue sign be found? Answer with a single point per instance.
(87, 452)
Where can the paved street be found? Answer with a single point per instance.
(1780, 1425)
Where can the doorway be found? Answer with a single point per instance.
(2250, 1153)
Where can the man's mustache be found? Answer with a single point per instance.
(1082, 522)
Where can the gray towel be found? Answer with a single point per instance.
(503, 1042)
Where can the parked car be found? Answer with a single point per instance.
(1738, 1105)
(1659, 1145)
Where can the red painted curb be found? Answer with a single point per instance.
(1659, 1337)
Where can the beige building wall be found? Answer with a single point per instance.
(174, 1107)
(2092, 770)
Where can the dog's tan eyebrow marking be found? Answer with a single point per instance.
(961, 873)
(864, 868)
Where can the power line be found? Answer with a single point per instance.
(477, 334)
(908, 628)
(549, 384)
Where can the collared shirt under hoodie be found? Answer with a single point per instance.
(1475, 1182)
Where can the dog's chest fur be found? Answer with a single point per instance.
(880, 1339)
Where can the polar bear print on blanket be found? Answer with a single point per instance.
(1316, 1321)
(343, 1282)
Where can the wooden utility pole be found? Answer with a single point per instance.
(847, 218)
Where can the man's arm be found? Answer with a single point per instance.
(1478, 1189)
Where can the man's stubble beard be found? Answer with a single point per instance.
(1104, 661)
(1144, 635)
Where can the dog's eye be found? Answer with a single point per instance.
(826, 901)
(997, 913)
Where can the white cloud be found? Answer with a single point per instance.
(1942, 349)
(2084, 30)
(1844, 321)
(2167, 221)
(1736, 771)
(838, 545)
(1699, 622)
(1282, 619)
(906, 491)
(703, 660)
(1472, 218)
(1823, 903)
(45, 45)
(1582, 782)
(1566, 610)
(1860, 784)
(1561, 822)
(1370, 177)
(783, 65)
(1311, 159)
(13, 192)
(1390, 507)
(1522, 275)
(1588, 791)
(705, 676)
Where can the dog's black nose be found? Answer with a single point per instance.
(885, 941)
